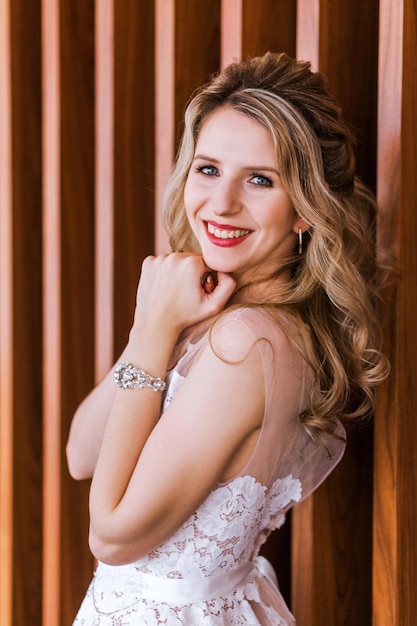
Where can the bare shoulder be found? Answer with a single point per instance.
(237, 332)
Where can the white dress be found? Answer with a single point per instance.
(209, 572)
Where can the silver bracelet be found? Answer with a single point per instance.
(126, 376)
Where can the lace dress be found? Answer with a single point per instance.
(209, 572)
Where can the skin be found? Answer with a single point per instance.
(150, 473)
(234, 187)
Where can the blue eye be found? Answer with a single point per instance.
(262, 181)
(208, 170)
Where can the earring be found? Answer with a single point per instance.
(300, 241)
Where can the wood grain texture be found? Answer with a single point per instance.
(104, 187)
(331, 566)
(197, 29)
(407, 477)
(231, 31)
(51, 589)
(92, 98)
(308, 32)
(395, 549)
(77, 202)
(25, 32)
(388, 414)
(268, 25)
(338, 524)
(164, 110)
(348, 56)
(134, 179)
(6, 323)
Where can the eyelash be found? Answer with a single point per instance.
(268, 180)
(201, 168)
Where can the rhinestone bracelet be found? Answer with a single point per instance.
(127, 376)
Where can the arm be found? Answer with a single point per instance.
(90, 419)
(135, 506)
(153, 473)
(87, 428)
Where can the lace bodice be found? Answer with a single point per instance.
(225, 531)
(208, 572)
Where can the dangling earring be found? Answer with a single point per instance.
(300, 241)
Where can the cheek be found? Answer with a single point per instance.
(191, 200)
(189, 207)
(282, 217)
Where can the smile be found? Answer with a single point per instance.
(226, 233)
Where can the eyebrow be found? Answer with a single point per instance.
(249, 168)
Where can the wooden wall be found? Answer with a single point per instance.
(91, 98)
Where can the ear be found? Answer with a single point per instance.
(300, 223)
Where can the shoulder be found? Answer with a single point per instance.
(273, 331)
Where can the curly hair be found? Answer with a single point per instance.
(335, 284)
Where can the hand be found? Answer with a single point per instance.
(178, 290)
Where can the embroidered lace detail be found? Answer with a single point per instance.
(222, 534)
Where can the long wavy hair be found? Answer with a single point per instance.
(335, 283)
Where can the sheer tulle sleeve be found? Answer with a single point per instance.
(284, 447)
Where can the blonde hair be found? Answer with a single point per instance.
(335, 283)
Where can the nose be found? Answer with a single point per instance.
(226, 198)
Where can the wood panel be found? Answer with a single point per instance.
(268, 25)
(51, 590)
(197, 28)
(395, 547)
(6, 323)
(27, 313)
(92, 98)
(68, 39)
(133, 169)
(21, 337)
(335, 527)
(76, 236)
(164, 110)
(104, 187)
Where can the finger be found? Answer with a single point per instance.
(224, 288)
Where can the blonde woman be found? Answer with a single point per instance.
(253, 342)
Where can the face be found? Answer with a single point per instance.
(238, 210)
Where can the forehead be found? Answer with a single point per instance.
(226, 124)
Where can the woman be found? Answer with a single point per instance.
(251, 344)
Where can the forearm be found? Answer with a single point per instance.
(132, 418)
(87, 428)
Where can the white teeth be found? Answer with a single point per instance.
(226, 234)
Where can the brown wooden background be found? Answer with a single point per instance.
(91, 95)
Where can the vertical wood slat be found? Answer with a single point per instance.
(277, 32)
(333, 585)
(385, 565)
(407, 336)
(68, 254)
(104, 185)
(164, 109)
(231, 31)
(133, 170)
(52, 313)
(27, 314)
(395, 548)
(6, 324)
(308, 20)
(77, 248)
(100, 201)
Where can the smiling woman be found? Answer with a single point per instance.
(242, 217)
(252, 343)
